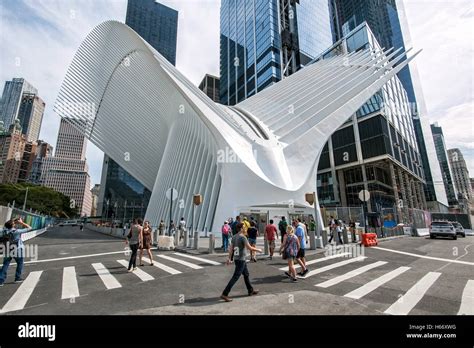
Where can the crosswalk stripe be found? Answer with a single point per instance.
(317, 260)
(467, 301)
(70, 287)
(406, 303)
(350, 274)
(108, 279)
(332, 266)
(138, 272)
(374, 284)
(21, 296)
(162, 266)
(214, 263)
(185, 263)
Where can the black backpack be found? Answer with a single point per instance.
(6, 237)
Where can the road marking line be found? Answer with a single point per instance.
(317, 260)
(138, 272)
(108, 279)
(70, 287)
(334, 265)
(407, 302)
(374, 284)
(76, 257)
(425, 257)
(185, 263)
(350, 274)
(214, 263)
(21, 296)
(162, 266)
(467, 301)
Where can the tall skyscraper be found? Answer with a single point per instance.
(67, 171)
(387, 22)
(43, 150)
(210, 86)
(12, 146)
(262, 41)
(20, 100)
(460, 174)
(444, 163)
(121, 195)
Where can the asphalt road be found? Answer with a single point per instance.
(83, 272)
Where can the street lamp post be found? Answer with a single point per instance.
(26, 197)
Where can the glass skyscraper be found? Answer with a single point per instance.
(121, 195)
(251, 42)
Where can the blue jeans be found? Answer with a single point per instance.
(225, 242)
(240, 268)
(6, 263)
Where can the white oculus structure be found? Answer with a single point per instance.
(143, 113)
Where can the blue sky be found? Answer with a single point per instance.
(38, 39)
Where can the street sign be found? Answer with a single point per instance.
(364, 195)
(175, 194)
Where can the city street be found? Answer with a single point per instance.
(84, 272)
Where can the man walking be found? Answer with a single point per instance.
(282, 225)
(234, 225)
(300, 257)
(237, 253)
(14, 248)
(271, 234)
(182, 228)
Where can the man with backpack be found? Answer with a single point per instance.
(282, 225)
(11, 238)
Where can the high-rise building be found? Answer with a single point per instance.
(121, 195)
(12, 146)
(375, 150)
(262, 41)
(43, 150)
(27, 160)
(210, 86)
(460, 174)
(67, 170)
(441, 151)
(20, 100)
(387, 21)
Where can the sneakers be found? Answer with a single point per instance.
(302, 273)
(19, 280)
(134, 268)
(226, 298)
(253, 292)
(130, 270)
(294, 280)
(288, 274)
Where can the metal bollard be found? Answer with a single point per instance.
(324, 235)
(186, 237)
(176, 238)
(312, 240)
(196, 240)
(345, 238)
(211, 243)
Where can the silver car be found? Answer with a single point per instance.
(459, 229)
(442, 229)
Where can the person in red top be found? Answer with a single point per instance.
(271, 233)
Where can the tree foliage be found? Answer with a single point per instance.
(40, 198)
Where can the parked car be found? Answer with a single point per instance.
(442, 229)
(69, 223)
(459, 229)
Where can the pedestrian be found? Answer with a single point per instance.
(161, 227)
(225, 236)
(337, 231)
(271, 235)
(182, 228)
(147, 242)
(288, 250)
(246, 224)
(134, 241)
(172, 228)
(300, 232)
(282, 226)
(252, 234)
(13, 248)
(234, 225)
(237, 254)
(352, 229)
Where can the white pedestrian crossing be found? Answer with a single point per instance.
(70, 288)
(138, 272)
(108, 279)
(23, 293)
(332, 266)
(322, 259)
(185, 263)
(407, 302)
(467, 300)
(350, 274)
(162, 266)
(214, 263)
(376, 283)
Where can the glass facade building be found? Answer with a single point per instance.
(121, 195)
(251, 43)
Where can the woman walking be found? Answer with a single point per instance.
(134, 239)
(147, 242)
(289, 249)
(225, 236)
